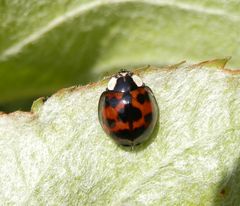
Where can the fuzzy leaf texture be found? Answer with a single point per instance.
(62, 43)
(59, 155)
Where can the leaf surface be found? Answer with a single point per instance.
(61, 43)
(59, 155)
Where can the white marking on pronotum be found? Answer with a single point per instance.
(138, 81)
(16, 48)
(124, 73)
(112, 83)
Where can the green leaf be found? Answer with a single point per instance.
(59, 155)
(55, 44)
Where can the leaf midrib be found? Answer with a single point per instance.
(16, 48)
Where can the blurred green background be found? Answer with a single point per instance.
(47, 45)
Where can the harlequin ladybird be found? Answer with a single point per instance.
(127, 110)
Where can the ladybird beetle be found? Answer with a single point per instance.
(127, 110)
